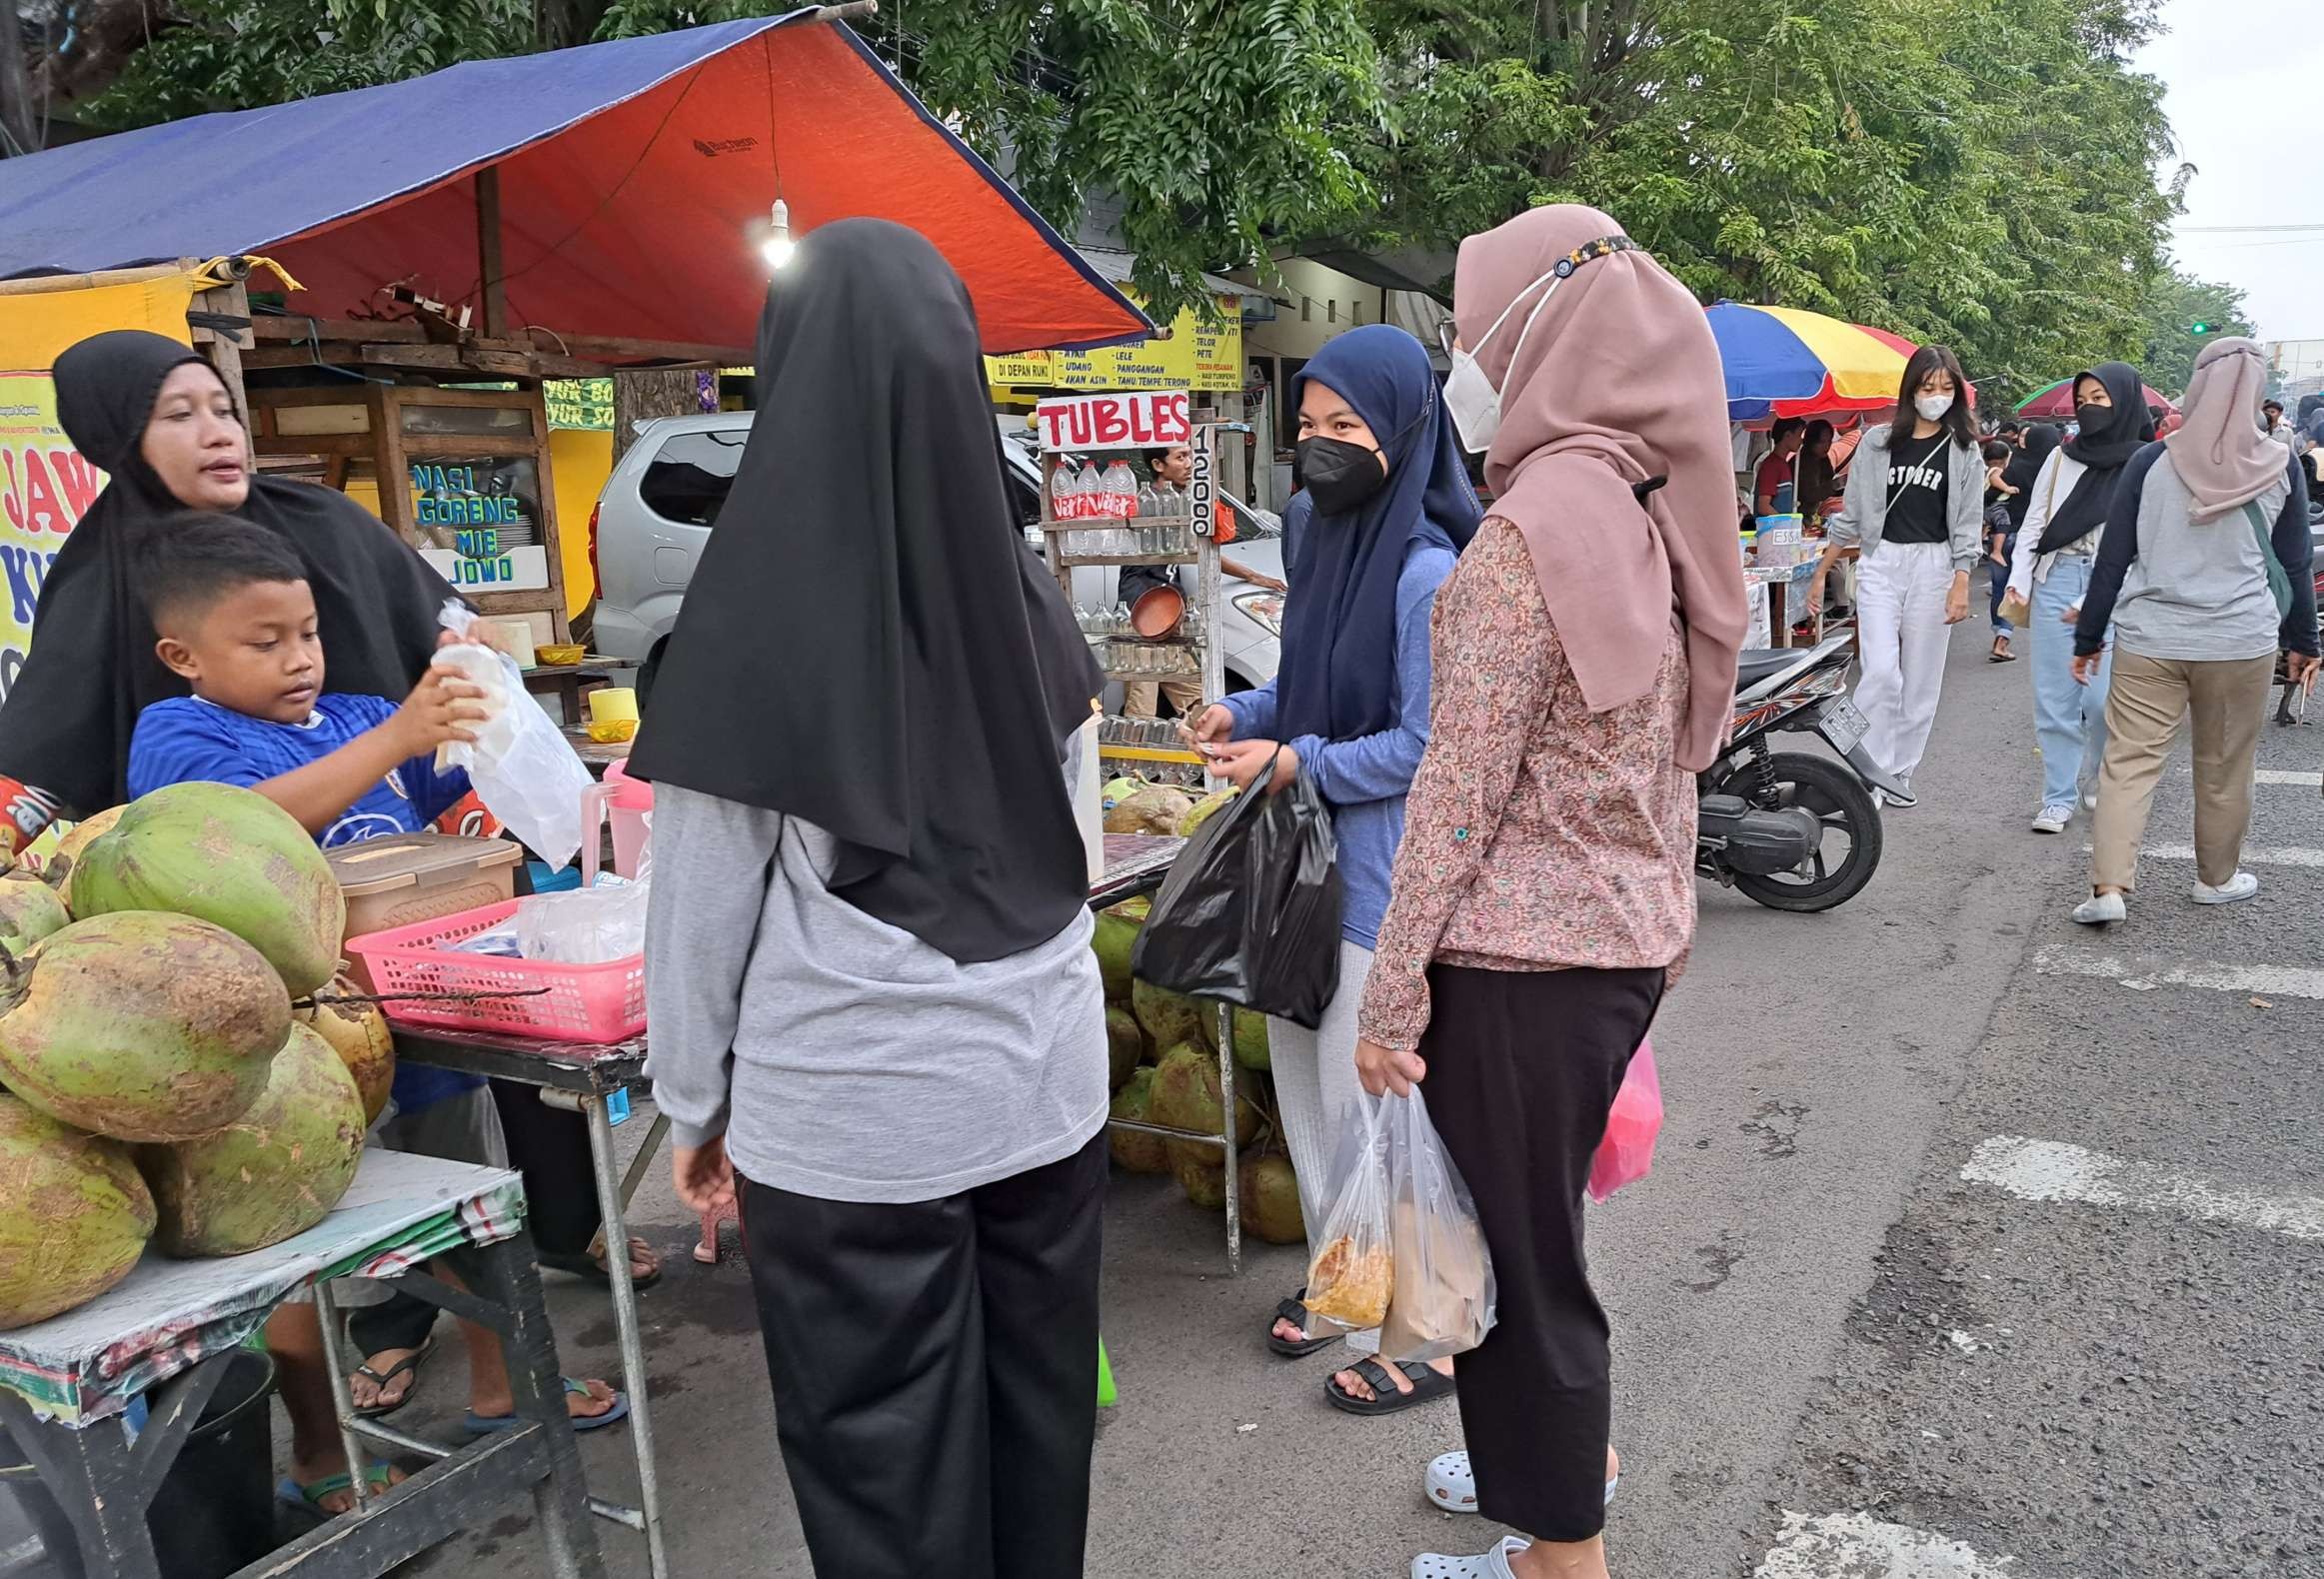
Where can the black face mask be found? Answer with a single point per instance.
(1339, 475)
(2095, 419)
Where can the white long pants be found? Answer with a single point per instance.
(1315, 1074)
(1900, 623)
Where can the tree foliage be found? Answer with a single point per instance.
(2175, 302)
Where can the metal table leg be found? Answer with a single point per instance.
(561, 1500)
(617, 1233)
(1228, 1142)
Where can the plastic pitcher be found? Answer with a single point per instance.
(630, 803)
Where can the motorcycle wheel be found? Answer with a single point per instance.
(1839, 800)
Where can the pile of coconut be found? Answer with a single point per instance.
(1165, 1071)
(178, 1064)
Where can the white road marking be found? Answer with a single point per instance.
(2256, 855)
(2278, 775)
(2051, 1170)
(2143, 975)
(1858, 1546)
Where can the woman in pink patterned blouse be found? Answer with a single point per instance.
(1543, 895)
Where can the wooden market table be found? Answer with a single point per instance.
(594, 1079)
(168, 1333)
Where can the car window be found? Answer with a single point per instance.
(1024, 497)
(689, 478)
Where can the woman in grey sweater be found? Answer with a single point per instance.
(2204, 571)
(875, 1015)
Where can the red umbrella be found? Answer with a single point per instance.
(2056, 403)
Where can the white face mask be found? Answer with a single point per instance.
(1932, 406)
(1469, 396)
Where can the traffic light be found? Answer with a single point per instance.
(2199, 328)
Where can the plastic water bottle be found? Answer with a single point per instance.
(1063, 496)
(1148, 500)
(1121, 491)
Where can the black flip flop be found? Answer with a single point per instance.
(1296, 1314)
(409, 1366)
(1427, 1385)
(586, 1265)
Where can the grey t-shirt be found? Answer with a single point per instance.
(842, 1058)
(2196, 591)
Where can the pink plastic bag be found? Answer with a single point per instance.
(1627, 1151)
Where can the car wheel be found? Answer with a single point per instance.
(647, 670)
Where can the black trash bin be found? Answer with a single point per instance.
(214, 1512)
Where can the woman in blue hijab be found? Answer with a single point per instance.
(1388, 507)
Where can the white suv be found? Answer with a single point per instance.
(662, 500)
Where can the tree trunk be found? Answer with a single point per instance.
(19, 127)
(657, 392)
(560, 24)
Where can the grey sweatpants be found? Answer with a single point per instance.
(1315, 1081)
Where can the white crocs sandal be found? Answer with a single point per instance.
(1453, 1487)
(1490, 1565)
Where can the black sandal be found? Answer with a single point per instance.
(1296, 1314)
(409, 1366)
(594, 1268)
(1427, 1385)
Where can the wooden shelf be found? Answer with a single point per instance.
(1103, 522)
(1071, 560)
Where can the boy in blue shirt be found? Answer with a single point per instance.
(236, 620)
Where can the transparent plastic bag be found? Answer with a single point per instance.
(1353, 1275)
(521, 764)
(1443, 1300)
(585, 927)
(1627, 1151)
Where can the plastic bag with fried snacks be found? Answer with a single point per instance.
(1353, 1277)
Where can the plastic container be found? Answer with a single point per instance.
(630, 804)
(214, 1511)
(407, 878)
(593, 1004)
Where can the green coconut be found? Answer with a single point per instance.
(1250, 1049)
(1187, 1096)
(275, 1172)
(1125, 1046)
(1115, 936)
(1204, 810)
(1268, 1201)
(1203, 1179)
(142, 1026)
(77, 839)
(1168, 1017)
(1134, 1152)
(359, 1033)
(77, 1215)
(29, 910)
(230, 856)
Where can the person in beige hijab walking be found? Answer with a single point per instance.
(1544, 893)
(2205, 572)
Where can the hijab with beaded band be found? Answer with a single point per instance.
(64, 732)
(1619, 381)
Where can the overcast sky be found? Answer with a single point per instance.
(2243, 101)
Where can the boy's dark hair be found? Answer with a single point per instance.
(188, 560)
(1996, 451)
(1784, 428)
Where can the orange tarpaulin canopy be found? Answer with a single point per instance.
(635, 178)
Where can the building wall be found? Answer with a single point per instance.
(1321, 302)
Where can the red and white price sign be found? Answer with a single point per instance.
(1131, 420)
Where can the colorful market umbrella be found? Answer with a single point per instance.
(2056, 403)
(1782, 361)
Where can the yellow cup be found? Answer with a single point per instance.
(613, 704)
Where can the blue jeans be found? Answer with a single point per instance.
(2069, 720)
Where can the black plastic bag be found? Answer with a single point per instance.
(1249, 913)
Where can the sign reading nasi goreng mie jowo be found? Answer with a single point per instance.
(479, 523)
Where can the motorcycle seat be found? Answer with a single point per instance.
(1753, 666)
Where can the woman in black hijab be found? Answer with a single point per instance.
(153, 414)
(876, 1013)
(2066, 503)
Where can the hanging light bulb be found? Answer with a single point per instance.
(778, 247)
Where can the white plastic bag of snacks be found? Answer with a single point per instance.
(1352, 1278)
(1443, 1299)
(521, 764)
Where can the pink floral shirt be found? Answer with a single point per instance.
(1538, 836)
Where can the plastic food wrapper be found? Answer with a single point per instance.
(521, 764)
(1249, 912)
(1627, 1151)
(1352, 1276)
(1443, 1303)
(585, 927)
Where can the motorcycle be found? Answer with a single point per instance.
(1792, 829)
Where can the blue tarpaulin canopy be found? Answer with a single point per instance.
(635, 178)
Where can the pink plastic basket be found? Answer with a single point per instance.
(598, 1004)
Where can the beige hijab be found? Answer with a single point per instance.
(2219, 451)
(1618, 381)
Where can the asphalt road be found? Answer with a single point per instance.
(1837, 1356)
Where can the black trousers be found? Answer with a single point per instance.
(1522, 1071)
(936, 1372)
